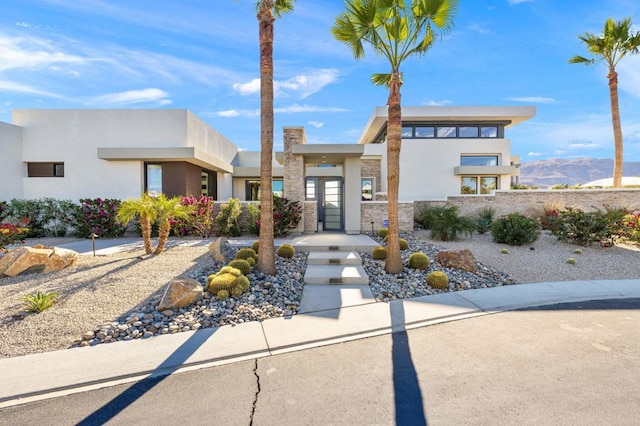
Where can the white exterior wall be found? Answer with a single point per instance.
(11, 167)
(74, 136)
(426, 165)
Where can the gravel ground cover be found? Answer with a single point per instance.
(108, 298)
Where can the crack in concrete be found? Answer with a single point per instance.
(255, 399)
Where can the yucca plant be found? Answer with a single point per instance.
(40, 301)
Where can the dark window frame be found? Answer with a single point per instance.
(45, 169)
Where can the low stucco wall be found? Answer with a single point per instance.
(376, 212)
(526, 201)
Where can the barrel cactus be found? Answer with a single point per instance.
(383, 232)
(227, 281)
(379, 253)
(243, 265)
(438, 279)
(286, 250)
(419, 261)
(245, 253)
(255, 246)
(251, 261)
(404, 244)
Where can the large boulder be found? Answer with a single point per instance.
(27, 260)
(459, 259)
(221, 251)
(180, 292)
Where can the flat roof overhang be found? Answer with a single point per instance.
(449, 114)
(328, 153)
(190, 155)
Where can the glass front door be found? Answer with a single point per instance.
(331, 208)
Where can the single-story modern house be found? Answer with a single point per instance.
(89, 153)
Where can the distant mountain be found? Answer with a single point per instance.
(545, 173)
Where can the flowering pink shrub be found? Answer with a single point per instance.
(200, 220)
(97, 216)
(10, 234)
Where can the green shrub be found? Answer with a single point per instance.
(447, 225)
(379, 253)
(29, 213)
(242, 265)
(253, 219)
(40, 301)
(404, 244)
(286, 216)
(419, 261)
(97, 216)
(256, 246)
(483, 219)
(425, 215)
(438, 279)
(515, 229)
(57, 215)
(227, 218)
(245, 253)
(383, 232)
(585, 228)
(286, 251)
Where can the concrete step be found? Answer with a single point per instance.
(318, 298)
(334, 258)
(335, 274)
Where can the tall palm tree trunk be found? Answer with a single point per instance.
(145, 229)
(393, 264)
(163, 236)
(266, 256)
(617, 129)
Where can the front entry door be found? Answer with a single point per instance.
(331, 207)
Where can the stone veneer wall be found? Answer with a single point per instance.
(527, 201)
(310, 217)
(376, 212)
(294, 172)
(371, 168)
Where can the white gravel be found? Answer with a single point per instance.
(99, 290)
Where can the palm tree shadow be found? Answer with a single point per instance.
(118, 404)
(408, 398)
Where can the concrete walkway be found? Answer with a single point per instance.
(40, 376)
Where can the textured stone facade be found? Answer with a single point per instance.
(310, 217)
(294, 171)
(505, 202)
(376, 212)
(371, 168)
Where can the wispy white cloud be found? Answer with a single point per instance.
(149, 95)
(512, 2)
(582, 144)
(32, 53)
(438, 103)
(300, 86)
(629, 75)
(477, 28)
(295, 108)
(532, 99)
(9, 86)
(535, 154)
(316, 124)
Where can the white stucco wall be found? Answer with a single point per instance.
(11, 167)
(74, 136)
(426, 165)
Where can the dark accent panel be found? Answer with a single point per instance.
(193, 176)
(174, 180)
(45, 169)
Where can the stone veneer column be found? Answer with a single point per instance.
(294, 170)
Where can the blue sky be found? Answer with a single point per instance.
(202, 55)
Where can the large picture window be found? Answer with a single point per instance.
(469, 184)
(153, 179)
(252, 189)
(478, 160)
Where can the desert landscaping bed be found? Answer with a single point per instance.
(114, 297)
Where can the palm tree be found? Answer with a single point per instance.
(143, 209)
(150, 210)
(615, 42)
(396, 30)
(166, 209)
(266, 11)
